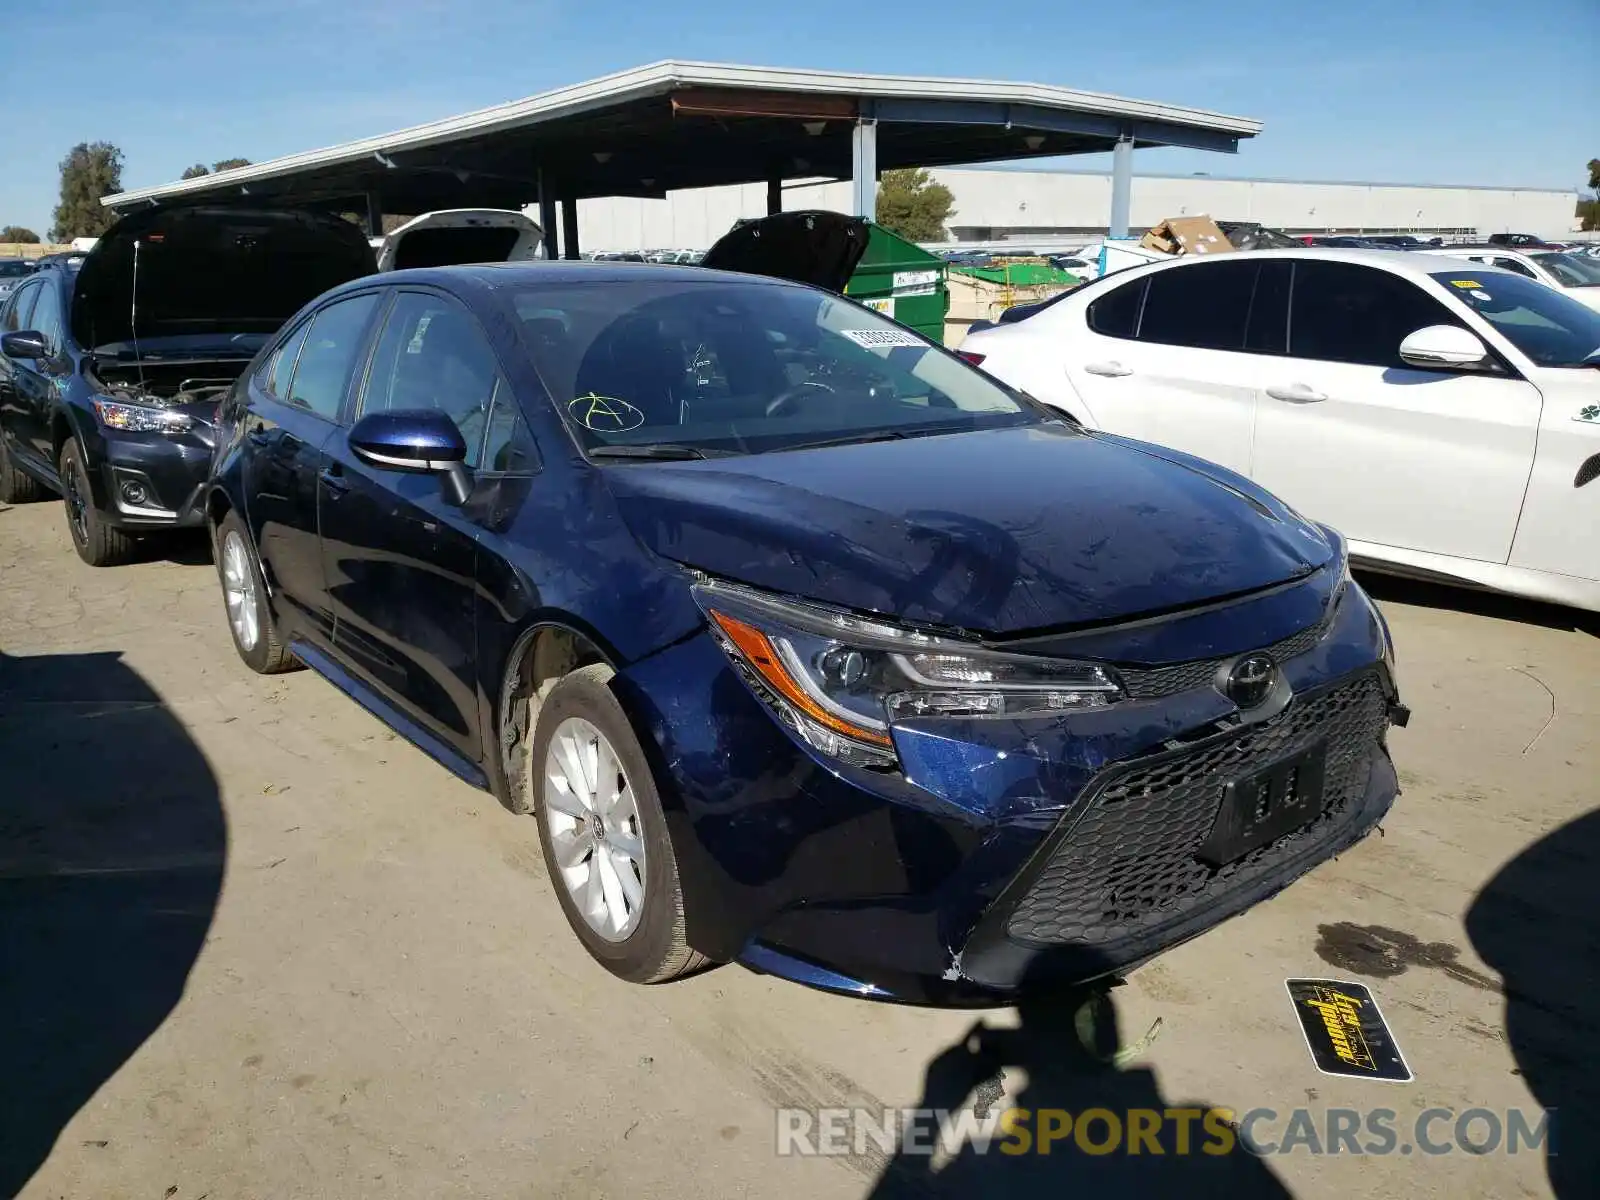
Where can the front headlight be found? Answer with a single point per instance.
(841, 681)
(140, 418)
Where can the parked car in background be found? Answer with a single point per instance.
(110, 370)
(12, 272)
(451, 236)
(803, 643)
(1578, 274)
(1526, 241)
(1443, 415)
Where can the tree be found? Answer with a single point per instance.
(1589, 207)
(195, 171)
(1594, 173)
(913, 205)
(17, 233)
(89, 171)
(229, 164)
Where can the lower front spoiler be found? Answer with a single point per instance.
(992, 969)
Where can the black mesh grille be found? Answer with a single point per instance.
(1130, 864)
(1152, 683)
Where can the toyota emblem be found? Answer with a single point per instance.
(1250, 682)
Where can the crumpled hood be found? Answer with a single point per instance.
(211, 270)
(994, 532)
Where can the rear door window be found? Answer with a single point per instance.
(1345, 312)
(1205, 306)
(332, 343)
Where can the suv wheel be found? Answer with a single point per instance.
(605, 840)
(244, 595)
(98, 543)
(16, 487)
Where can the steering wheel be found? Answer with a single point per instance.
(784, 402)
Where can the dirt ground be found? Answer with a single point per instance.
(254, 946)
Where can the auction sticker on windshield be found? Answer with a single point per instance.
(873, 338)
(1345, 1032)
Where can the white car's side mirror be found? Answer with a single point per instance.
(1447, 346)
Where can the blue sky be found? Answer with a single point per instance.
(1428, 91)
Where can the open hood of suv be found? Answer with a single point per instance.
(452, 236)
(816, 247)
(210, 270)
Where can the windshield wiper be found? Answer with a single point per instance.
(663, 451)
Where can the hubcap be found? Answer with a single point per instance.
(239, 590)
(592, 821)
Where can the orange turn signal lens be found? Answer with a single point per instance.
(757, 650)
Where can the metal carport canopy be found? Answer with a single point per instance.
(675, 125)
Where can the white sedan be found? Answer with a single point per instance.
(1579, 274)
(1443, 414)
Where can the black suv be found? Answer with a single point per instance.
(111, 368)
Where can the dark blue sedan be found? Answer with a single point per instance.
(803, 643)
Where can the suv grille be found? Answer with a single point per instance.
(1152, 683)
(1129, 863)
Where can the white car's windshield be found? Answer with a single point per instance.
(679, 364)
(1573, 270)
(1552, 329)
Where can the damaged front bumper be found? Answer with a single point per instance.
(1007, 854)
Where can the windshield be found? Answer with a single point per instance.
(1552, 329)
(743, 367)
(11, 268)
(1573, 270)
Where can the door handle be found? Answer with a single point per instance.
(1109, 370)
(1296, 393)
(333, 479)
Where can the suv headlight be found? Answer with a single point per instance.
(841, 680)
(140, 418)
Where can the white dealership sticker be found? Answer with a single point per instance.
(874, 338)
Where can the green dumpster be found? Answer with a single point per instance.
(902, 280)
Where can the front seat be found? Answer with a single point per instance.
(632, 362)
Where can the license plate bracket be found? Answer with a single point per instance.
(1263, 806)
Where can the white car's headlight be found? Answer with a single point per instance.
(840, 680)
(140, 418)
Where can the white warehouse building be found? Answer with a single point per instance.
(993, 205)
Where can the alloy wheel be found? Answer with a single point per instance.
(592, 823)
(239, 590)
(73, 488)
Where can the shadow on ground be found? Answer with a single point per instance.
(112, 842)
(1068, 1068)
(1537, 924)
(1423, 594)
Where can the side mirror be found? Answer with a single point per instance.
(1447, 346)
(421, 441)
(25, 343)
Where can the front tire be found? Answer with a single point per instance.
(604, 838)
(244, 597)
(98, 543)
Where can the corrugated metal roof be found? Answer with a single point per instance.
(661, 78)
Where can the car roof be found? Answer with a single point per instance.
(1406, 262)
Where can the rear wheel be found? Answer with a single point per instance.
(604, 837)
(244, 594)
(97, 542)
(16, 487)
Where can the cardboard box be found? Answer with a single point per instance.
(1187, 235)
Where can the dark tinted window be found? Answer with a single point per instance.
(1268, 329)
(1116, 314)
(1205, 306)
(331, 345)
(1545, 323)
(1515, 265)
(1344, 312)
(432, 354)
